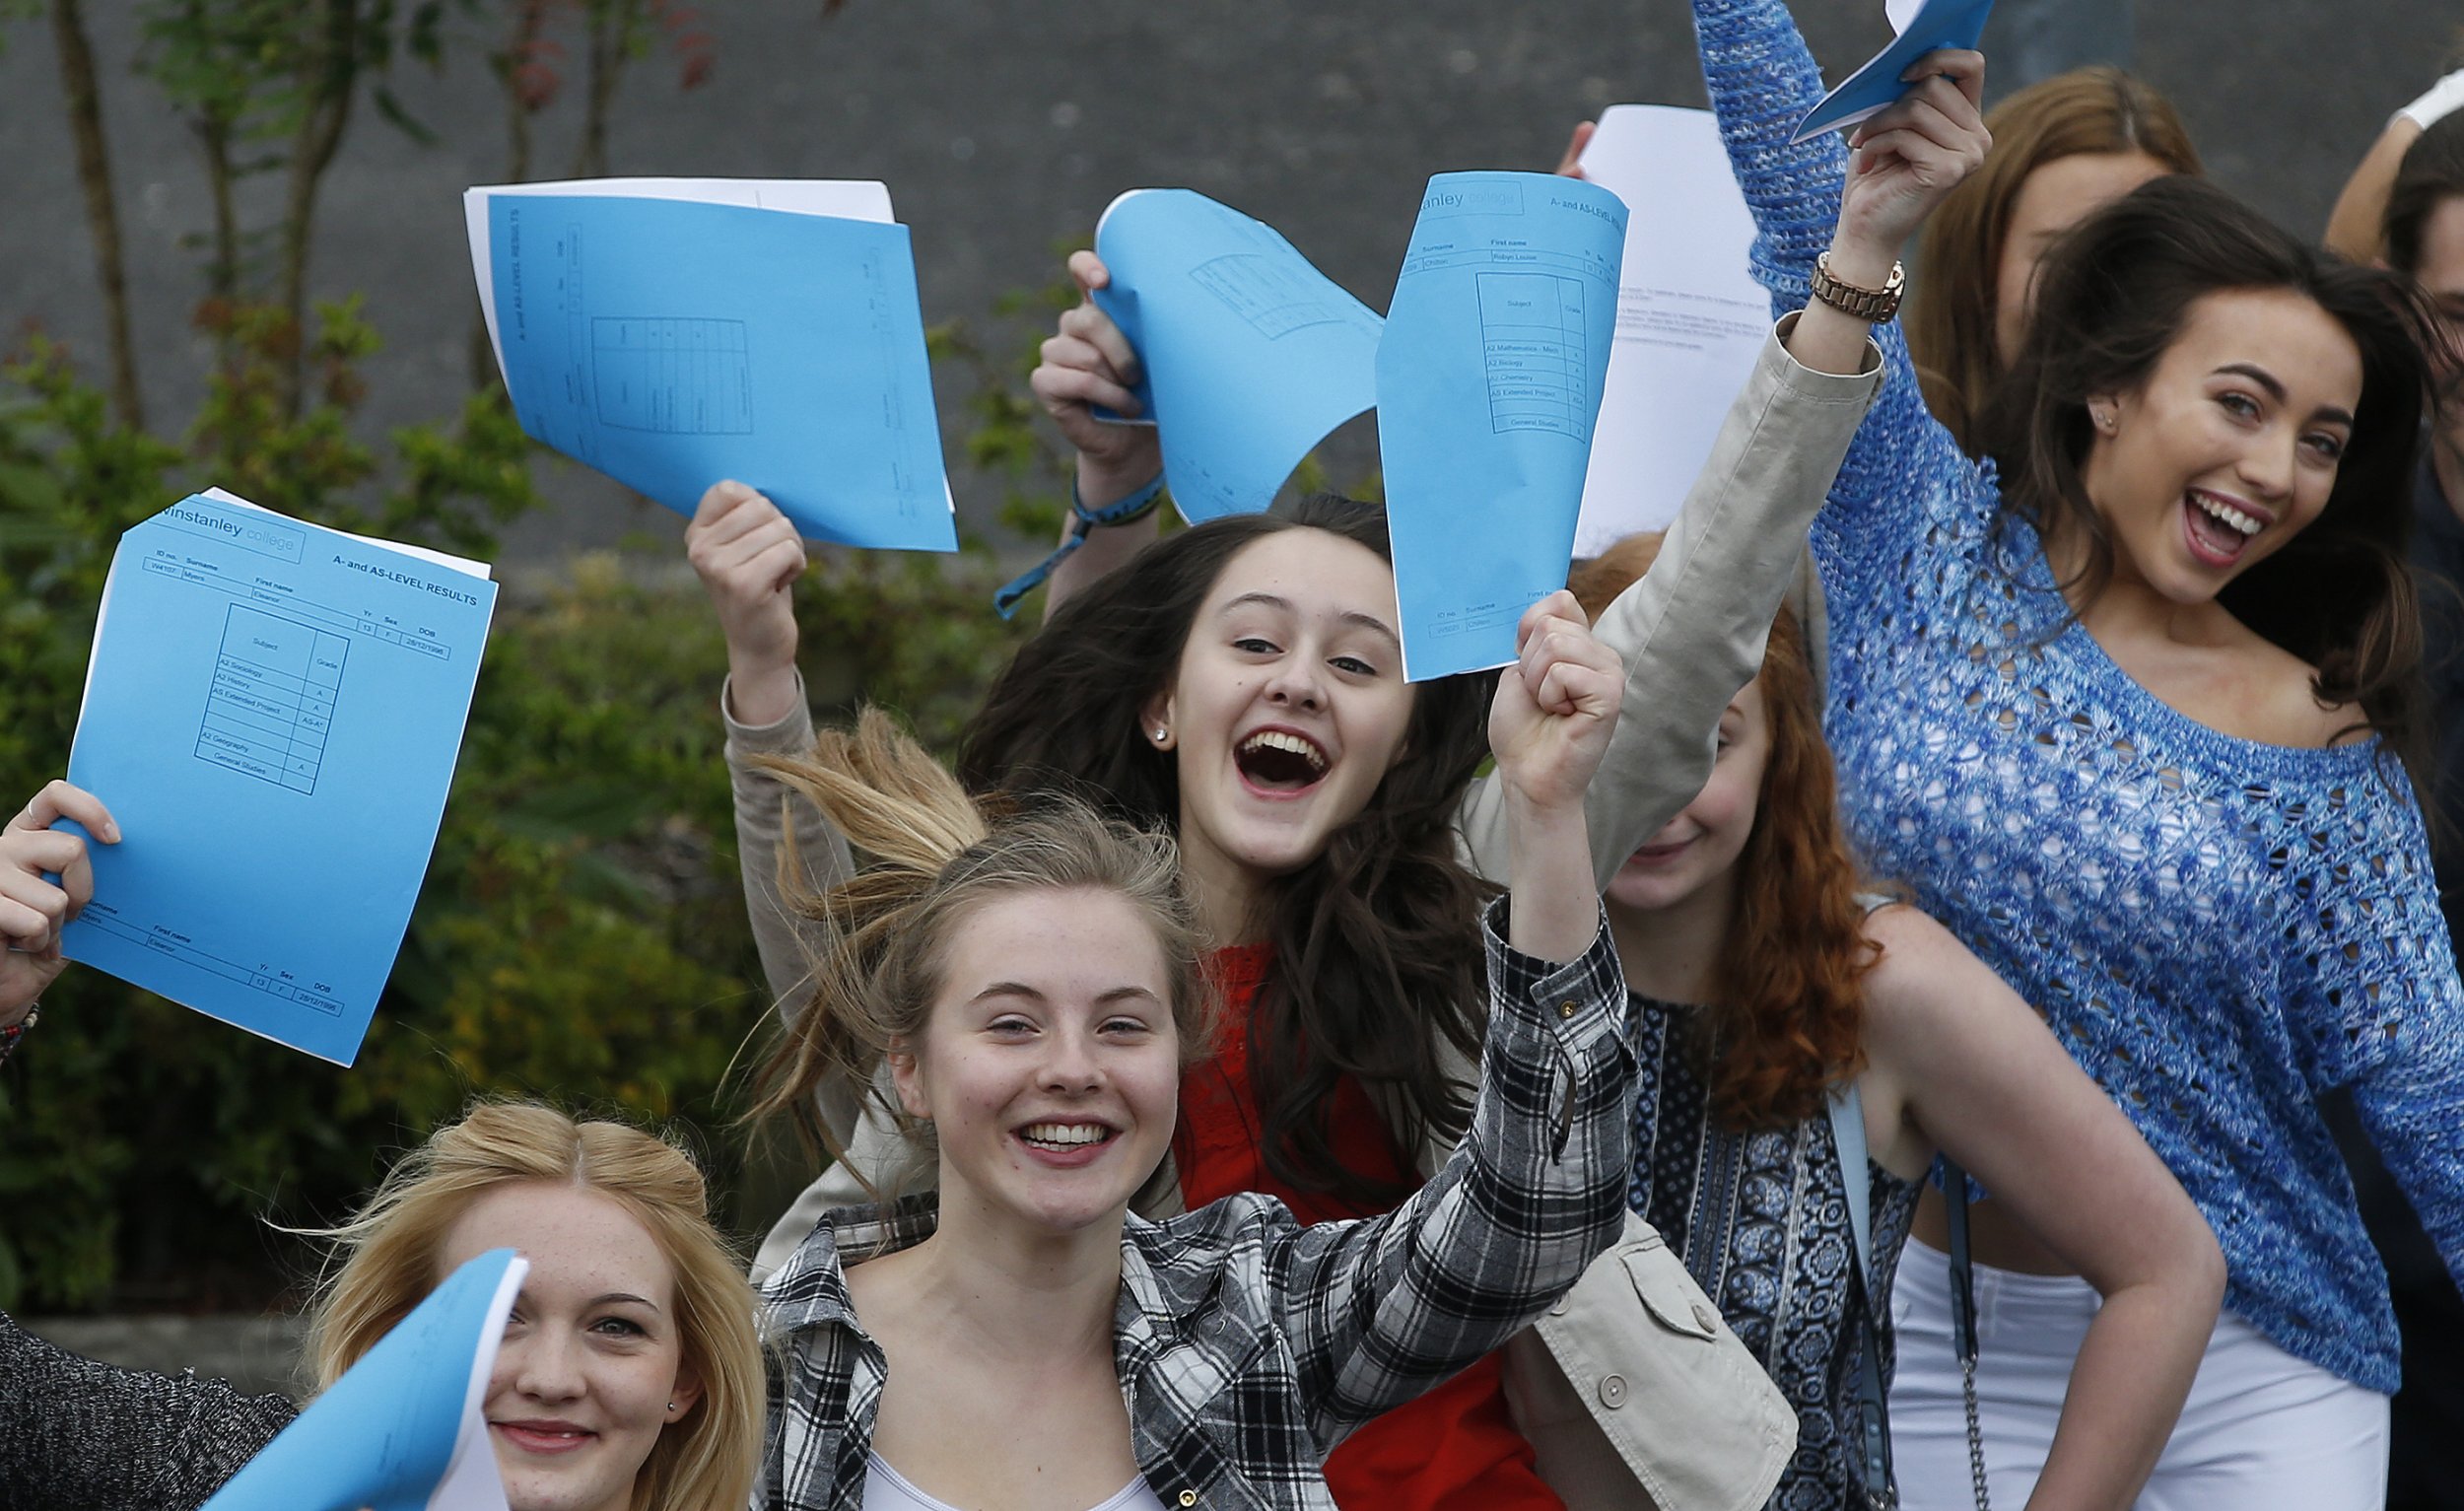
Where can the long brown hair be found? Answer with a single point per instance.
(2112, 297)
(1951, 308)
(1376, 943)
(1787, 1018)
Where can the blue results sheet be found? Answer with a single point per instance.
(672, 343)
(1876, 86)
(403, 1430)
(1489, 381)
(1251, 356)
(272, 714)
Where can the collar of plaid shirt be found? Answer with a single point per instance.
(1169, 1374)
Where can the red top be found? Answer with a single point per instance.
(1456, 1448)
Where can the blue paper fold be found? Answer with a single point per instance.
(672, 343)
(1876, 86)
(1249, 356)
(272, 714)
(405, 1420)
(1489, 382)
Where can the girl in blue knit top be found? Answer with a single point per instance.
(2123, 710)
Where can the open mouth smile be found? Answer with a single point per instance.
(2220, 528)
(1281, 763)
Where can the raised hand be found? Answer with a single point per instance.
(1903, 162)
(1548, 727)
(1088, 362)
(33, 909)
(1555, 707)
(748, 556)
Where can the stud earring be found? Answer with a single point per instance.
(2104, 419)
(1161, 735)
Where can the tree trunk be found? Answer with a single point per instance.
(519, 108)
(222, 278)
(330, 80)
(102, 217)
(611, 33)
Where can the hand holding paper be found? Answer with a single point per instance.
(1907, 159)
(46, 880)
(1488, 385)
(1249, 356)
(1086, 382)
(1930, 27)
(403, 1430)
(1557, 704)
(273, 712)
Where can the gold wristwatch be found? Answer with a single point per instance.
(1876, 304)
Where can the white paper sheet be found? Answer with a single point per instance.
(853, 199)
(1690, 317)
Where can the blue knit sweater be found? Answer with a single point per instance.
(2219, 931)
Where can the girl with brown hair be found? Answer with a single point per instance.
(2062, 148)
(1763, 985)
(2125, 708)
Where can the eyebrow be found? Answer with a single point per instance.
(1348, 616)
(2333, 413)
(1021, 989)
(624, 1296)
(2257, 375)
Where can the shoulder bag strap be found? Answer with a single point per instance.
(1847, 1110)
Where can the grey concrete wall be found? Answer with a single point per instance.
(1003, 127)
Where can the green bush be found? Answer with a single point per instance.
(580, 934)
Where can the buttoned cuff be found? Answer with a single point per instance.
(1578, 1002)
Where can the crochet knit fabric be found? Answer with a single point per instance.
(2219, 931)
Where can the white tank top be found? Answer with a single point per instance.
(886, 1489)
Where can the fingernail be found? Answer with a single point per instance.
(110, 834)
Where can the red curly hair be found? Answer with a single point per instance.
(1790, 1000)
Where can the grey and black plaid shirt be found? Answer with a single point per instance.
(1249, 1345)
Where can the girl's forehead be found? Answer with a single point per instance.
(1053, 941)
(1306, 571)
(580, 1243)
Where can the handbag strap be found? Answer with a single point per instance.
(1847, 1113)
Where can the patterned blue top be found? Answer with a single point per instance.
(1761, 1221)
(2220, 930)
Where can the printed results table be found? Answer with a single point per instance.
(271, 704)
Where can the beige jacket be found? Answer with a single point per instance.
(1631, 1390)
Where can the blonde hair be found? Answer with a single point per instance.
(389, 1252)
(1951, 308)
(937, 856)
